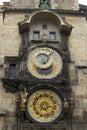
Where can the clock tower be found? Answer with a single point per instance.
(41, 77)
(42, 70)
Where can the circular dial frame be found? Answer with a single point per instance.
(44, 63)
(44, 106)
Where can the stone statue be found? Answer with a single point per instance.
(23, 100)
(44, 4)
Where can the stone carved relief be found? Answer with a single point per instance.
(36, 3)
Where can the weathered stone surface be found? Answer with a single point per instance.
(78, 114)
(77, 40)
(59, 4)
(73, 73)
(1, 123)
(65, 4)
(23, 3)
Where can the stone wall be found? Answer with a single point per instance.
(78, 51)
(59, 4)
(65, 4)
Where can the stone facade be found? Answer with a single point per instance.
(10, 41)
(59, 4)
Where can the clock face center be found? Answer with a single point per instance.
(42, 59)
(44, 105)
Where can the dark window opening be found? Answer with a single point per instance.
(12, 71)
(86, 18)
(52, 35)
(36, 35)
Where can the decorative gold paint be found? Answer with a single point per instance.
(44, 106)
(54, 61)
(23, 100)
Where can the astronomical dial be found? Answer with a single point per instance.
(44, 106)
(44, 63)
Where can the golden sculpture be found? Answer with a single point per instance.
(23, 100)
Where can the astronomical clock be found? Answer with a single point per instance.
(44, 106)
(40, 74)
(44, 63)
